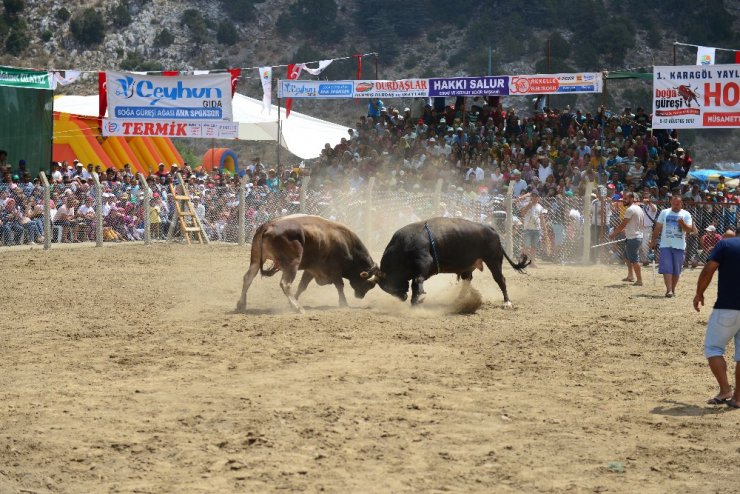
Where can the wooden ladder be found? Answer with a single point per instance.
(188, 220)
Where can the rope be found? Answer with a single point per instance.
(434, 246)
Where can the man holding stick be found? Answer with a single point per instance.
(632, 224)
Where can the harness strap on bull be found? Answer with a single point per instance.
(434, 246)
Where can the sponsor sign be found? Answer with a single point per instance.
(469, 86)
(690, 96)
(402, 88)
(582, 82)
(182, 97)
(30, 79)
(315, 89)
(170, 128)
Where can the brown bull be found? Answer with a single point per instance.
(326, 251)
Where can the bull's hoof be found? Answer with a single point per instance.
(241, 308)
(507, 305)
(417, 301)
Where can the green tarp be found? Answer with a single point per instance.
(26, 127)
(645, 76)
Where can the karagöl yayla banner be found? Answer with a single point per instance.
(696, 96)
(180, 97)
(171, 128)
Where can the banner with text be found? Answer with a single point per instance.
(502, 85)
(28, 79)
(688, 97)
(134, 127)
(176, 105)
(580, 82)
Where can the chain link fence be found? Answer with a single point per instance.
(145, 210)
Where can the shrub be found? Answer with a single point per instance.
(120, 16)
(88, 27)
(196, 24)
(17, 42)
(226, 34)
(62, 14)
(135, 61)
(164, 38)
(239, 10)
(46, 35)
(13, 7)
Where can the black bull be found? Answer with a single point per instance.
(441, 245)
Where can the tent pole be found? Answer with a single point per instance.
(280, 131)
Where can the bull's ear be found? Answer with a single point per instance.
(380, 274)
(364, 275)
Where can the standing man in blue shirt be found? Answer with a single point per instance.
(724, 323)
(671, 227)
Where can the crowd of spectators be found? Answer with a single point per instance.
(476, 147)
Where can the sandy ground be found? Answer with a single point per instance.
(124, 369)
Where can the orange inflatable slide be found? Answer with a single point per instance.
(78, 137)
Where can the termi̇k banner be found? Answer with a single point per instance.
(691, 96)
(169, 106)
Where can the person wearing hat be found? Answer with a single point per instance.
(724, 323)
(533, 224)
(520, 185)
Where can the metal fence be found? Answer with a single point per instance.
(144, 210)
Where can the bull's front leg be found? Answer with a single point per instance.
(417, 290)
(339, 284)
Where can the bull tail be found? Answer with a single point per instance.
(525, 261)
(258, 250)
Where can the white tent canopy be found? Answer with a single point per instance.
(302, 135)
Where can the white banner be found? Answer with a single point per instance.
(688, 97)
(266, 78)
(172, 128)
(705, 55)
(183, 98)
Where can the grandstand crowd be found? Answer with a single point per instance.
(476, 147)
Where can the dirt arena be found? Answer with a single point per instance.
(125, 369)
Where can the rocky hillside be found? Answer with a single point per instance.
(417, 38)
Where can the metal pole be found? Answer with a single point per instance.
(490, 60)
(376, 66)
(509, 222)
(279, 134)
(146, 210)
(47, 211)
(547, 98)
(587, 222)
(305, 181)
(98, 210)
(242, 211)
(674, 53)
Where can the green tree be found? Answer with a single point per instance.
(164, 38)
(17, 42)
(13, 7)
(313, 18)
(120, 16)
(63, 14)
(226, 34)
(196, 24)
(239, 10)
(88, 27)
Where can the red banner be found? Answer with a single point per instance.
(294, 71)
